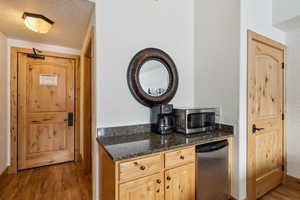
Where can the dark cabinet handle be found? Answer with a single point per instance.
(158, 181)
(158, 190)
(168, 187)
(254, 128)
(182, 157)
(142, 167)
(168, 178)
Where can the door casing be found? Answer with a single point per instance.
(255, 36)
(13, 168)
(87, 103)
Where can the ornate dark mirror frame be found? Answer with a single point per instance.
(133, 77)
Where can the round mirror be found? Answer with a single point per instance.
(154, 78)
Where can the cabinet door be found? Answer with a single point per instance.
(148, 188)
(180, 183)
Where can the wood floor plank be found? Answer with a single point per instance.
(288, 191)
(58, 182)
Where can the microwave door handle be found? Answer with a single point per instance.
(207, 110)
(194, 111)
(186, 122)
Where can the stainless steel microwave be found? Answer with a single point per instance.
(195, 120)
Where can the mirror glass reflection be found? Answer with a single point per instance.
(154, 78)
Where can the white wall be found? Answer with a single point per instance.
(41, 46)
(217, 29)
(3, 103)
(260, 19)
(293, 105)
(126, 27)
(217, 32)
(256, 15)
(286, 15)
(285, 10)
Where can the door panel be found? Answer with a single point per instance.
(53, 98)
(268, 102)
(46, 138)
(267, 158)
(148, 188)
(180, 183)
(46, 96)
(265, 109)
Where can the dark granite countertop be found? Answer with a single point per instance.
(130, 145)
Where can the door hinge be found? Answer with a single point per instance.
(282, 117)
(282, 168)
(283, 65)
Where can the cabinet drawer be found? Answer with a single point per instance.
(176, 158)
(139, 168)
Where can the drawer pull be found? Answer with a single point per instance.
(168, 178)
(142, 168)
(158, 190)
(158, 181)
(182, 157)
(168, 187)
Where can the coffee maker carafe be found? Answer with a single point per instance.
(162, 119)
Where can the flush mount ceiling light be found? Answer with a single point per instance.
(37, 23)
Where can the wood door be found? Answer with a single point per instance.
(265, 110)
(148, 188)
(45, 97)
(180, 183)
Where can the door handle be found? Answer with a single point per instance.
(70, 119)
(254, 128)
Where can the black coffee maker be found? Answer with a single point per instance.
(162, 119)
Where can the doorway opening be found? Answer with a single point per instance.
(45, 106)
(50, 101)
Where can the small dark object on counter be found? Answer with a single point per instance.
(162, 119)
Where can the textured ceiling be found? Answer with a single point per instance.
(71, 19)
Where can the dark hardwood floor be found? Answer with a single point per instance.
(58, 182)
(288, 191)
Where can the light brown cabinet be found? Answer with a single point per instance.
(174, 176)
(180, 183)
(147, 188)
(166, 175)
(173, 184)
(130, 170)
(179, 157)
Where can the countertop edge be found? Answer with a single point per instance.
(204, 141)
